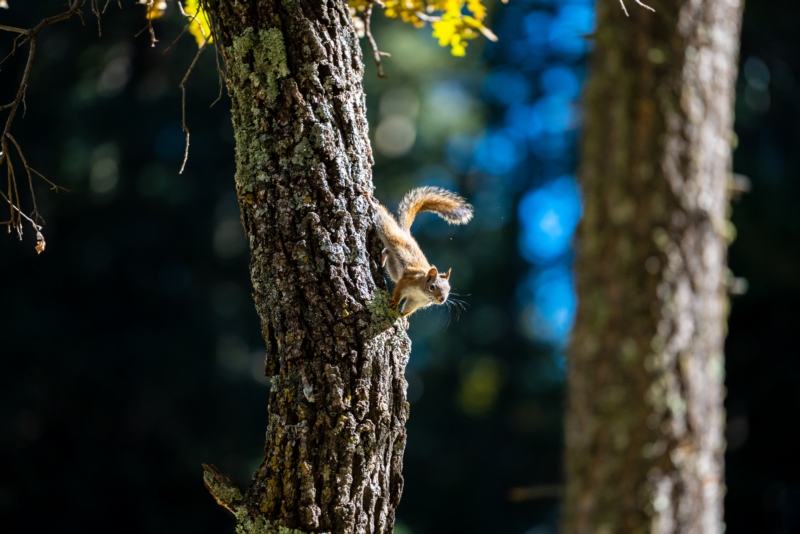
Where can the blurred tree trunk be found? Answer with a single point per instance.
(337, 406)
(644, 428)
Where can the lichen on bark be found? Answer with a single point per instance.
(335, 356)
(260, 525)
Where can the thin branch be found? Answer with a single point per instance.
(376, 54)
(186, 76)
(30, 177)
(14, 192)
(13, 29)
(23, 85)
(220, 71)
(183, 103)
(427, 18)
(10, 179)
(185, 28)
(119, 3)
(20, 214)
(31, 35)
(96, 12)
(149, 25)
(12, 197)
(19, 40)
(191, 17)
(622, 3)
(40, 242)
(220, 76)
(30, 171)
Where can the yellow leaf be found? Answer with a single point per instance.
(458, 46)
(450, 7)
(155, 9)
(444, 30)
(477, 24)
(199, 26)
(453, 30)
(406, 10)
(451, 25)
(477, 9)
(453, 8)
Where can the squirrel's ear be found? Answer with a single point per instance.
(446, 275)
(433, 272)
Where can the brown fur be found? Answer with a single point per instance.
(416, 281)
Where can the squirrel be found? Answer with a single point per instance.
(417, 282)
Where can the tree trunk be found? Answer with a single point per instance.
(644, 428)
(335, 355)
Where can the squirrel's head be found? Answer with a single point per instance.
(437, 285)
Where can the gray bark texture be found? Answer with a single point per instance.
(336, 353)
(644, 425)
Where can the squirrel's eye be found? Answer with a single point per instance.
(432, 287)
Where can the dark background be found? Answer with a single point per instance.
(130, 350)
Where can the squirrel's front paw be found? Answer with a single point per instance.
(368, 195)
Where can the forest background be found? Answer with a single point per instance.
(130, 350)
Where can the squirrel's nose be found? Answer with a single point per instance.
(440, 300)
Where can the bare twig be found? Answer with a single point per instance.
(149, 27)
(13, 29)
(153, 39)
(427, 18)
(182, 85)
(376, 54)
(645, 6)
(18, 41)
(183, 103)
(28, 169)
(119, 3)
(19, 212)
(622, 3)
(30, 178)
(13, 199)
(185, 28)
(220, 77)
(220, 71)
(40, 242)
(31, 38)
(96, 12)
(12, 190)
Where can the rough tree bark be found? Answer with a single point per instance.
(335, 355)
(644, 428)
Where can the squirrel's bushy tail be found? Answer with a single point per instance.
(447, 205)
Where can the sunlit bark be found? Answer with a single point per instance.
(335, 359)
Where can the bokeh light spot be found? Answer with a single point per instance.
(549, 216)
(506, 87)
